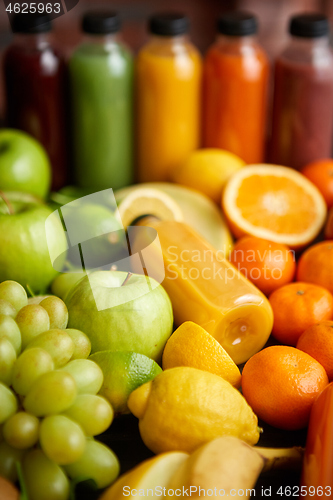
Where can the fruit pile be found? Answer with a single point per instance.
(49, 407)
(242, 342)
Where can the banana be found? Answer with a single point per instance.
(229, 464)
(281, 458)
(226, 463)
(226, 466)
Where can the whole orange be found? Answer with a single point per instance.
(296, 307)
(320, 173)
(328, 231)
(318, 342)
(267, 264)
(316, 265)
(280, 383)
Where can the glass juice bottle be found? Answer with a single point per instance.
(204, 287)
(303, 95)
(101, 81)
(168, 80)
(35, 88)
(235, 85)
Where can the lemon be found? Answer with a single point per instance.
(123, 372)
(191, 345)
(208, 170)
(153, 473)
(183, 408)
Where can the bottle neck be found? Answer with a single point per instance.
(101, 40)
(239, 46)
(236, 40)
(169, 40)
(38, 41)
(314, 51)
(309, 43)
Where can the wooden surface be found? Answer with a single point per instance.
(124, 439)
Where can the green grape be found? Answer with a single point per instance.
(57, 343)
(7, 361)
(87, 375)
(10, 331)
(14, 293)
(82, 343)
(32, 321)
(51, 393)
(62, 439)
(44, 479)
(30, 365)
(93, 413)
(21, 430)
(8, 403)
(57, 311)
(98, 462)
(8, 458)
(7, 308)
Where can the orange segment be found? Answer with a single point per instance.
(275, 203)
(190, 345)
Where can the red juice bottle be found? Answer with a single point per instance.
(303, 95)
(35, 86)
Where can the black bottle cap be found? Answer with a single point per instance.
(237, 24)
(101, 23)
(31, 23)
(309, 25)
(169, 24)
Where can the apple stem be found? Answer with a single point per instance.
(127, 278)
(7, 203)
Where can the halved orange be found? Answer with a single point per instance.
(275, 203)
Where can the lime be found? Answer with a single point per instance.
(124, 371)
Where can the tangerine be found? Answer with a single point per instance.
(316, 265)
(318, 342)
(296, 307)
(267, 264)
(280, 383)
(320, 173)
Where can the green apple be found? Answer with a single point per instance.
(99, 231)
(65, 281)
(68, 194)
(24, 249)
(24, 164)
(121, 312)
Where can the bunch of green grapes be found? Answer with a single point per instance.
(49, 407)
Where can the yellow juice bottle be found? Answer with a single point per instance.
(168, 87)
(204, 287)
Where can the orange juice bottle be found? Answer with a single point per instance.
(168, 98)
(235, 85)
(203, 286)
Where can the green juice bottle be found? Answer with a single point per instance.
(101, 81)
